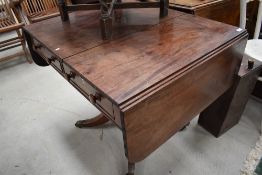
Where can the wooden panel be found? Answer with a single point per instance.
(158, 117)
(137, 63)
(226, 11)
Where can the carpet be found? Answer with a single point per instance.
(253, 163)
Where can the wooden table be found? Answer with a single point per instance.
(151, 78)
(226, 11)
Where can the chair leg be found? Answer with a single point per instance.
(261, 127)
(131, 168)
(27, 55)
(259, 20)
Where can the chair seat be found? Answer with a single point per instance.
(254, 49)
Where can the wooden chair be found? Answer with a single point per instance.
(38, 10)
(107, 8)
(254, 46)
(10, 23)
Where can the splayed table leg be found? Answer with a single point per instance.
(96, 121)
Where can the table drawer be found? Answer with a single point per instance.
(92, 94)
(47, 55)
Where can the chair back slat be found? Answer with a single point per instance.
(41, 5)
(26, 7)
(4, 10)
(6, 13)
(259, 21)
(48, 4)
(243, 16)
(33, 7)
(30, 7)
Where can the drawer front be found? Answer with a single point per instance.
(92, 94)
(47, 55)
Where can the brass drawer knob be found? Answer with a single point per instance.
(70, 75)
(38, 46)
(94, 98)
(51, 59)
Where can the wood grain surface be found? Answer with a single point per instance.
(138, 62)
(226, 11)
(159, 116)
(82, 32)
(153, 76)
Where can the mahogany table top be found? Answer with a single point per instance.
(141, 54)
(82, 32)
